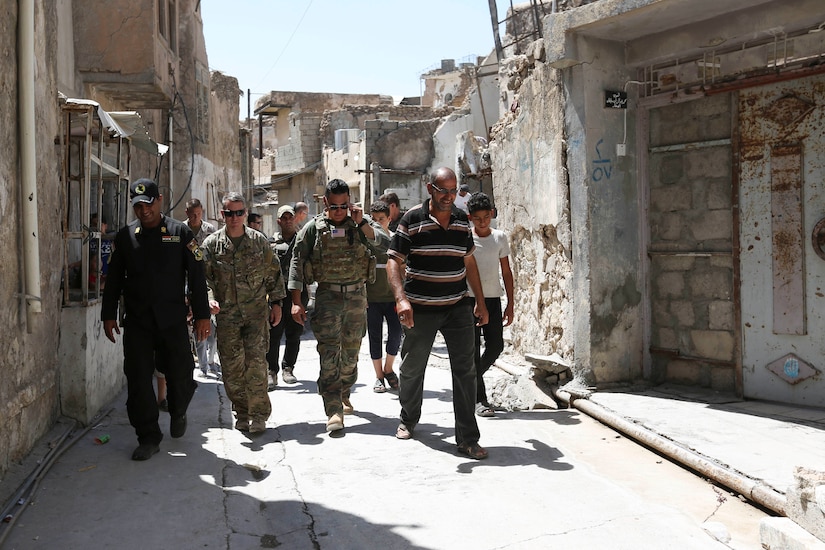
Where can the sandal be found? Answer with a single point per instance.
(379, 387)
(473, 450)
(392, 379)
(485, 410)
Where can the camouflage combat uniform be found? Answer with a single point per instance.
(341, 260)
(242, 279)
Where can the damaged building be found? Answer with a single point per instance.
(99, 94)
(373, 145)
(662, 163)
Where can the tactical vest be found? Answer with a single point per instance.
(339, 259)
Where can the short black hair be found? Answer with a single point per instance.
(337, 187)
(390, 198)
(479, 201)
(253, 217)
(380, 207)
(193, 203)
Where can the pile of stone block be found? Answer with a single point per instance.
(804, 528)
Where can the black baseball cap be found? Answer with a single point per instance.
(143, 190)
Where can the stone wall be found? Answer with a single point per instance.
(28, 350)
(304, 147)
(356, 116)
(528, 159)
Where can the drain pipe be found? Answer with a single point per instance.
(753, 490)
(26, 92)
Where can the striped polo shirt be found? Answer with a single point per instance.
(434, 256)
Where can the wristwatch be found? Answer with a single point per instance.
(279, 303)
(362, 223)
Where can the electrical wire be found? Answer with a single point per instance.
(624, 135)
(266, 74)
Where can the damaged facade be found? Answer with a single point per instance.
(663, 168)
(373, 145)
(100, 107)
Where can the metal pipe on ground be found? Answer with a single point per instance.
(753, 490)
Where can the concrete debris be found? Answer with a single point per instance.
(784, 534)
(717, 530)
(806, 501)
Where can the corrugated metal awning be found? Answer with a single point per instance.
(127, 124)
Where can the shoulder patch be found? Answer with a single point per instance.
(195, 250)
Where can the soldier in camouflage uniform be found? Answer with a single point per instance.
(246, 283)
(337, 249)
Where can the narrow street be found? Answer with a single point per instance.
(554, 479)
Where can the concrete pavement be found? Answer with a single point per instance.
(554, 479)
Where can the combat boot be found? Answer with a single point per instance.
(271, 381)
(289, 378)
(348, 408)
(335, 422)
(257, 426)
(242, 424)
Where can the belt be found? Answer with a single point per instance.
(335, 287)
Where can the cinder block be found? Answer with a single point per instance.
(682, 310)
(714, 224)
(671, 169)
(666, 338)
(719, 194)
(722, 379)
(712, 284)
(686, 372)
(720, 315)
(670, 199)
(670, 284)
(666, 227)
(713, 344)
(674, 263)
(707, 163)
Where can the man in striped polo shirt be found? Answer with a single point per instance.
(435, 241)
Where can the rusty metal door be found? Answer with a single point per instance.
(782, 199)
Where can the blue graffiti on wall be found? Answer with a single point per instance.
(602, 168)
(791, 367)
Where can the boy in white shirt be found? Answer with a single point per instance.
(492, 254)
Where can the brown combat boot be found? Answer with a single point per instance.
(257, 426)
(335, 422)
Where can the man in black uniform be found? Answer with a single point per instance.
(153, 257)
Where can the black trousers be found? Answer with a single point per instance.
(168, 350)
(293, 331)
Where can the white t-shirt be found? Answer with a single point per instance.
(461, 202)
(488, 253)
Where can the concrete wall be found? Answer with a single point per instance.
(28, 351)
(605, 199)
(572, 212)
(91, 371)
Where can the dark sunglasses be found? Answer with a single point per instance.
(231, 213)
(444, 191)
(337, 206)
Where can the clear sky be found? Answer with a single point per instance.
(344, 46)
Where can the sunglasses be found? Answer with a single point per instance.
(231, 213)
(438, 189)
(337, 206)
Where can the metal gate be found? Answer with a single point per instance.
(782, 203)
